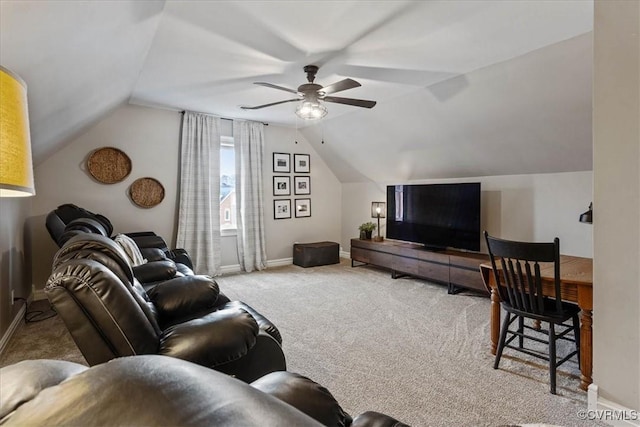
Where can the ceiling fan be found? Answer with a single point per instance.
(311, 94)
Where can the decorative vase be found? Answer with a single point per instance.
(365, 235)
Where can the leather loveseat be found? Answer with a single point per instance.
(158, 390)
(109, 314)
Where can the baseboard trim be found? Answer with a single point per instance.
(15, 323)
(230, 269)
(345, 254)
(607, 411)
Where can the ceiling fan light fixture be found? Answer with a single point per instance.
(309, 110)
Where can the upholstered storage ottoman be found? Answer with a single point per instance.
(314, 254)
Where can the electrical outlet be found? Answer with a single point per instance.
(12, 294)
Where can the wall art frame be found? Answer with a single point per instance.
(282, 162)
(301, 163)
(281, 185)
(303, 208)
(282, 209)
(301, 185)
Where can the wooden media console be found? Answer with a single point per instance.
(456, 269)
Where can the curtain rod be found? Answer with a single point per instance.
(221, 118)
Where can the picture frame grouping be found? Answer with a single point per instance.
(301, 207)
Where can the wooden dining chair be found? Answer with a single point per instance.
(516, 266)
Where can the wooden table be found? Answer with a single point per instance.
(576, 281)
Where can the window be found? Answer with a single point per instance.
(227, 184)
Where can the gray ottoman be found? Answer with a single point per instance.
(314, 254)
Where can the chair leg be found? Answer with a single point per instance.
(552, 357)
(576, 333)
(521, 331)
(503, 338)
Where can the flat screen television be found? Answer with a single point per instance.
(438, 216)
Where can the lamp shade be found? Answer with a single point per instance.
(16, 167)
(378, 209)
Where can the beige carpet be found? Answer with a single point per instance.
(404, 347)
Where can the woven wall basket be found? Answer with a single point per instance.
(109, 165)
(146, 192)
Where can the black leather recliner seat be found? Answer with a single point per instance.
(109, 314)
(157, 390)
(69, 220)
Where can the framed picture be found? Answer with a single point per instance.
(282, 162)
(301, 163)
(303, 208)
(282, 209)
(301, 185)
(281, 185)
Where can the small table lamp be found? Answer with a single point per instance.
(16, 167)
(587, 217)
(378, 211)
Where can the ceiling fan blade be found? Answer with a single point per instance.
(286, 89)
(269, 105)
(350, 101)
(339, 86)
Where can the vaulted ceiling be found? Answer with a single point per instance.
(463, 88)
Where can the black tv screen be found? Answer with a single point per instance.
(436, 215)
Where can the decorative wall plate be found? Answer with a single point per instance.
(146, 192)
(109, 165)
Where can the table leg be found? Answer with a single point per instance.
(495, 320)
(586, 356)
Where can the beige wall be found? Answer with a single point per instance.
(616, 313)
(14, 272)
(527, 207)
(150, 137)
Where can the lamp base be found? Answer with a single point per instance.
(378, 239)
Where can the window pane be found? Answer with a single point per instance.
(227, 186)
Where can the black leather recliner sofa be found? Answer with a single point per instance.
(69, 220)
(158, 390)
(109, 314)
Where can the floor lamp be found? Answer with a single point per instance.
(378, 211)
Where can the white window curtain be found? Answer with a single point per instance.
(199, 210)
(248, 140)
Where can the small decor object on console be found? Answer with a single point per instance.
(109, 165)
(366, 229)
(146, 192)
(378, 211)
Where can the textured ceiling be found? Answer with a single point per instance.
(464, 88)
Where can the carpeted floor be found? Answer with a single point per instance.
(403, 347)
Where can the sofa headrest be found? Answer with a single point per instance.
(95, 243)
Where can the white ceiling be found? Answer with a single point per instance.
(464, 88)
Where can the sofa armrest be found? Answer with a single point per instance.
(155, 271)
(215, 339)
(305, 395)
(184, 298)
(376, 419)
(153, 254)
(181, 256)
